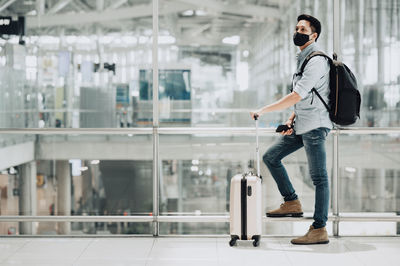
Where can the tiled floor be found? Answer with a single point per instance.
(197, 251)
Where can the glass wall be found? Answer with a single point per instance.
(75, 71)
(217, 61)
(196, 174)
(368, 181)
(371, 42)
(102, 182)
(236, 63)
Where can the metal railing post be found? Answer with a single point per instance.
(335, 182)
(337, 48)
(156, 168)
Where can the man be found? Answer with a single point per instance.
(312, 125)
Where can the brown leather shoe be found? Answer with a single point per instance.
(289, 208)
(313, 236)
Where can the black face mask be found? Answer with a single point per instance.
(300, 39)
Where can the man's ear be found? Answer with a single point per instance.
(315, 36)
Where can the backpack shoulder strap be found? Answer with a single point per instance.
(322, 100)
(308, 58)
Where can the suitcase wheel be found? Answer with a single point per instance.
(256, 241)
(233, 241)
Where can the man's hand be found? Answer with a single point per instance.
(290, 131)
(255, 114)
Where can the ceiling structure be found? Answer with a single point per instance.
(188, 21)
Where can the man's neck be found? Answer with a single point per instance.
(305, 45)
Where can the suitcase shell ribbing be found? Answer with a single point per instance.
(245, 219)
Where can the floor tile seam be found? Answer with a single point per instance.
(83, 251)
(12, 254)
(285, 252)
(151, 249)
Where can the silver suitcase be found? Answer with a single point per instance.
(245, 205)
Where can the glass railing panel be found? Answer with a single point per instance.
(197, 169)
(369, 178)
(79, 176)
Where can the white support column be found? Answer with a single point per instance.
(63, 195)
(396, 191)
(337, 35)
(328, 34)
(380, 27)
(87, 188)
(180, 193)
(27, 199)
(316, 6)
(359, 40)
(381, 190)
(359, 183)
(40, 7)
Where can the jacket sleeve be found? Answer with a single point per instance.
(314, 71)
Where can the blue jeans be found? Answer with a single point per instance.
(314, 144)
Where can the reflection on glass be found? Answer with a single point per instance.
(78, 187)
(369, 182)
(237, 64)
(69, 77)
(196, 174)
(174, 84)
(174, 92)
(369, 173)
(371, 48)
(109, 175)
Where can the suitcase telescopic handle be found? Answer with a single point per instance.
(257, 148)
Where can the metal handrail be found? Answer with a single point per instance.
(88, 218)
(185, 130)
(367, 130)
(190, 219)
(77, 131)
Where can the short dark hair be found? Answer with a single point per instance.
(314, 23)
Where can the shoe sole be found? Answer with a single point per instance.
(298, 214)
(315, 243)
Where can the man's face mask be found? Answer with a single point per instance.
(300, 39)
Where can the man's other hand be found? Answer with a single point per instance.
(289, 123)
(254, 114)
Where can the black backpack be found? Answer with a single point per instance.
(344, 97)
